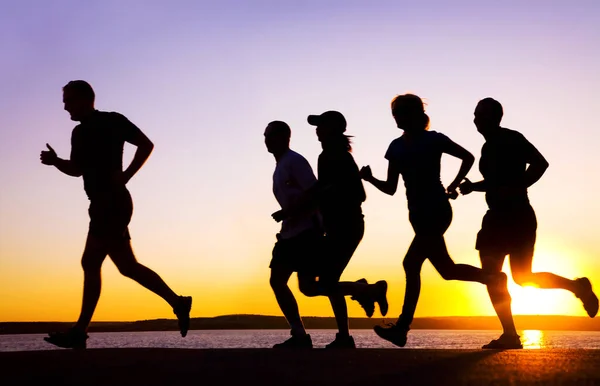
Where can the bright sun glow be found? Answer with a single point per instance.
(532, 339)
(530, 300)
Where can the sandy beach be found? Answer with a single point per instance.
(155, 366)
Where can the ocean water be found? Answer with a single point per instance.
(216, 339)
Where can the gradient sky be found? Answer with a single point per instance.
(202, 79)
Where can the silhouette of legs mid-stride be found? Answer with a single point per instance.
(122, 255)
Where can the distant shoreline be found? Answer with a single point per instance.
(263, 322)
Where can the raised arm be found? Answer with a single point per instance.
(389, 186)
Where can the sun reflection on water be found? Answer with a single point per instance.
(533, 339)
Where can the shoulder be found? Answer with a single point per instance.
(394, 148)
(323, 156)
(295, 160)
(436, 134)
(513, 136)
(76, 132)
(331, 158)
(106, 117)
(438, 137)
(76, 129)
(509, 133)
(396, 142)
(114, 116)
(295, 157)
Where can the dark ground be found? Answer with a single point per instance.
(241, 367)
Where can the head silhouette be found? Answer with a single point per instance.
(277, 138)
(488, 115)
(331, 126)
(78, 98)
(409, 113)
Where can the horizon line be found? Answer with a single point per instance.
(323, 317)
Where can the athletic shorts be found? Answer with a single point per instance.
(298, 253)
(505, 231)
(110, 214)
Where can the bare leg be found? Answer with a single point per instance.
(520, 265)
(285, 299)
(340, 310)
(352, 288)
(449, 270)
(310, 287)
(123, 257)
(413, 262)
(499, 295)
(93, 256)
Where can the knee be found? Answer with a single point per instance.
(522, 278)
(448, 272)
(277, 283)
(90, 265)
(411, 267)
(309, 288)
(128, 270)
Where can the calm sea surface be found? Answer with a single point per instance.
(429, 339)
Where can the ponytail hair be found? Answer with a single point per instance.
(341, 142)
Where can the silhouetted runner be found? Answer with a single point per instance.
(300, 237)
(97, 155)
(339, 195)
(509, 226)
(416, 155)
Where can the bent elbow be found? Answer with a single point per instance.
(544, 165)
(148, 147)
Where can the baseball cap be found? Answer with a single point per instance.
(329, 118)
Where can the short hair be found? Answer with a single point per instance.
(494, 108)
(280, 127)
(81, 88)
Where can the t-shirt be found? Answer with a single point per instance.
(504, 159)
(418, 158)
(97, 150)
(292, 177)
(341, 189)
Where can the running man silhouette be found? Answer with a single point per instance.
(509, 226)
(97, 155)
(300, 236)
(416, 155)
(339, 195)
